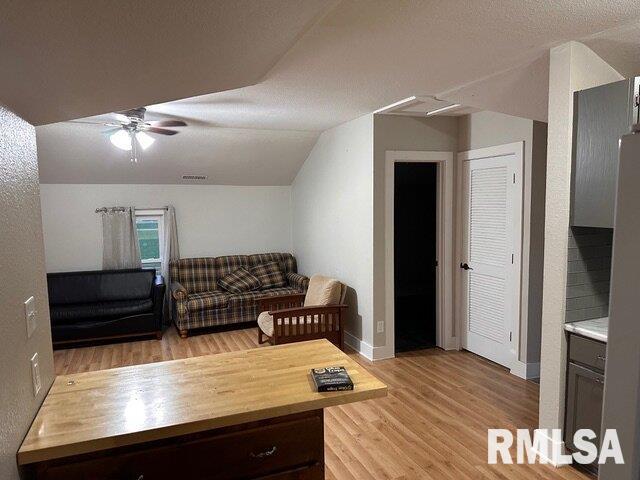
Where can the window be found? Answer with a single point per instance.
(150, 225)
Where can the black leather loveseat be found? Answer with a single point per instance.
(105, 304)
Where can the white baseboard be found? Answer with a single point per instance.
(526, 370)
(451, 343)
(366, 350)
(554, 448)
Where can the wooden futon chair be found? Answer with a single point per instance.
(319, 313)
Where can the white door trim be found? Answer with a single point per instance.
(445, 270)
(517, 150)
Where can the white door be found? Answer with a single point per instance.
(490, 263)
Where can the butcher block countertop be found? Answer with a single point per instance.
(94, 411)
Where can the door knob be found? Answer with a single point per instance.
(465, 266)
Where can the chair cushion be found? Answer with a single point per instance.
(197, 302)
(265, 323)
(99, 310)
(270, 275)
(322, 291)
(238, 281)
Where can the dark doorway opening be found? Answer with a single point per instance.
(415, 240)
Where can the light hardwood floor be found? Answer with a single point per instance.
(433, 424)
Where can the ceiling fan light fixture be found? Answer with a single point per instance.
(145, 140)
(122, 140)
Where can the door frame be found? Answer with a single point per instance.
(517, 150)
(444, 244)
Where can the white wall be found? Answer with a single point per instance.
(212, 220)
(487, 129)
(332, 198)
(573, 67)
(22, 261)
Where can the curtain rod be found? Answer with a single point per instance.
(122, 209)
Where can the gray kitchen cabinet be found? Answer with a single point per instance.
(584, 402)
(585, 388)
(601, 116)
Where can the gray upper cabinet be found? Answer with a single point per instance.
(601, 116)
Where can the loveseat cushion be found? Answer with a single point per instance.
(238, 281)
(270, 275)
(251, 298)
(99, 310)
(197, 302)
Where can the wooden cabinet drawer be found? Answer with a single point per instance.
(587, 352)
(283, 448)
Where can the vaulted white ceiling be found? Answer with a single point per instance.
(300, 67)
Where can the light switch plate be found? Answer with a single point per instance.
(35, 374)
(30, 315)
(380, 328)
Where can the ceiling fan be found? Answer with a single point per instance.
(130, 130)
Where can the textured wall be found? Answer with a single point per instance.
(23, 273)
(333, 216)
(212, 220)
(573, 67)
(439, 134)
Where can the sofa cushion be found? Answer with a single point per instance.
(322, 291)
(99, 286)
(196, 275)
(250, 298)
(99, 310)
(239, 281)
(197, 302)
(270, 275)
(285, 261)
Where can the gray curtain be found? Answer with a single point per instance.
(120, 247)
(171, 252)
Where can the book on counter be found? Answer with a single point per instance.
(331, 379)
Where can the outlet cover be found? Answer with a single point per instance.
(30, 315)
(35, 374)
(380, 328)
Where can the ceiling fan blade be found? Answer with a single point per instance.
(121, 117)
(161, 131)
(110, 131)
(85, 122)
(167, 123)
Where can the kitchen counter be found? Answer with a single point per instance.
(197, 415)
(596, 329)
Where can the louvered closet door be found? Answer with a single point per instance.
(491, 249)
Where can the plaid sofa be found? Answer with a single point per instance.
(200, 302)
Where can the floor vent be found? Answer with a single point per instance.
(194, 177)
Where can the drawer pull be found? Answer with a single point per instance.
(598, 380)
(601, 358)
(266, 453)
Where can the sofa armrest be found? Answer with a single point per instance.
(267, 304)
(298, 281)
(178, 291)
(159, 289)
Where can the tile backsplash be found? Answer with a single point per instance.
(589, 272)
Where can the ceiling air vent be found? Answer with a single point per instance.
(194, 177)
